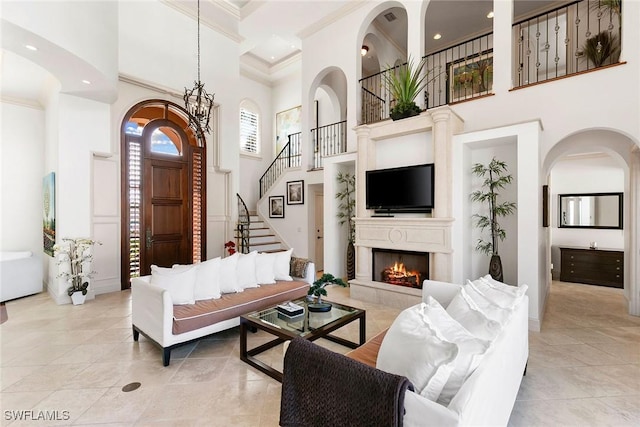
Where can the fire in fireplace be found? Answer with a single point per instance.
(402, 268)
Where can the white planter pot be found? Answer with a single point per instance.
(77, 298)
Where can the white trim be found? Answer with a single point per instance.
(22, 102)
(125, 78)
(215, 27)
(345, 10)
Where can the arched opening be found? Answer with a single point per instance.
(593, 161)
(163, 190)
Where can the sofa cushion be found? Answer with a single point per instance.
(492, 310)
(282, 265)
(471, 349)
(413, 348)
(515, 291)
(207, 279)
(466, 312)
(228, 274)
(298, 267)
(265, 274)
(246, 270)
(179, 282)
(207, 312)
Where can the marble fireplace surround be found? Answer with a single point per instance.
(419, 234)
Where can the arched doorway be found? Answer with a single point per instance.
(163, 189)
(619, 151)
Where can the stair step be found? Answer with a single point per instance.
(266, 239)
(271, 251)
(274, 247)
(271, 242)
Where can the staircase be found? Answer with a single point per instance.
(261, 237)
(252, 234)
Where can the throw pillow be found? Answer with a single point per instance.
(498, 297)
(468, 314)
(492, 310)
(298, 267)
(517, 291)
(246, 270)
(470, 348)
(228, 274)
(414, 349)
(265, 274)
(207, 280)
(282, 265)
(179, 282)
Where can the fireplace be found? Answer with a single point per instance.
(401, 268)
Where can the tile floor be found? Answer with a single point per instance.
(584, 366)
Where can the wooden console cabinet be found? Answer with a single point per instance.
(603, 267)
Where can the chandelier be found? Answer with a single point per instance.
(196, 100)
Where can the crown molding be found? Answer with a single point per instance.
(21, 102)
(215, 27)
(250, 7)
(253, 74)
(345, 10)
(228, 7)
(125, 78)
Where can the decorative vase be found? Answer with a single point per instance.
(351, 261)
(495, 268)
(78, 298)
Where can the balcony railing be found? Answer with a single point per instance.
(376, 96)
(460, 72)
(327, 141)
(290, 156)
(567, 40)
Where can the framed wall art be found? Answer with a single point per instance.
(287, 122)
(470, 77)
(295, 192)
(276, 207)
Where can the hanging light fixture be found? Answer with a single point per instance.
(196, 100)
(364, 50)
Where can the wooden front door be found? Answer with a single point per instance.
(166, 222)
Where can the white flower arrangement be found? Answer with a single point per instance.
(75, 252)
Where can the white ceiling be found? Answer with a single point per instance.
(270, 31)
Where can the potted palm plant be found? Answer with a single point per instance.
(495, 177)
(76, 255)
(603, 48)
(346, 211)
(405, 82)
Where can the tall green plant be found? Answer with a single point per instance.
(495, 177)
(405, 82)
(347, 206)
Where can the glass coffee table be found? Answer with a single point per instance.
(308, 325)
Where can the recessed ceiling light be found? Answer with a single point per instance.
(437, 36)
(273, 57)
(490, 15)
(87, 82)
(31, 47)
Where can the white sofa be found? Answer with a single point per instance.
(154, 315)
(21, 274)
(487, 397)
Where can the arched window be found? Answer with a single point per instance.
(249, 128)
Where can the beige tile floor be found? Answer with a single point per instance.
(584, 366)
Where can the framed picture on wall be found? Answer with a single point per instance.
(470, 77)
(295, 192)
(287, 123)
(276, 207)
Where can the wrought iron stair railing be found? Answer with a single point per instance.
(290, 156)
(327, 141)
(243, 226)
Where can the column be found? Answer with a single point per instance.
(364, 161)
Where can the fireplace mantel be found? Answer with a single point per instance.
(411, 234)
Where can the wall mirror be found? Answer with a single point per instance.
(591, 210)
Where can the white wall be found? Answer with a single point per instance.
(583, 174)
(252, 167)
(21, 174)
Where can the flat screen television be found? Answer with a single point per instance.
(406, 189)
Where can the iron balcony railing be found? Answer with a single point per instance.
(576, 37)
(290, 156)
(242, 227)
(327, 141)
(460, 72)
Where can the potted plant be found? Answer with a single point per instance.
(77, 255)
(318, 290)
(602, 48)
(346, 212)
(495, 177)
(405, 82)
